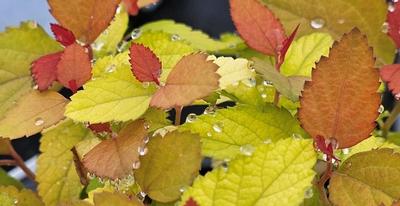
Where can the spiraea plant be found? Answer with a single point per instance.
(304, 123)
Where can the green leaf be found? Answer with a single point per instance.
(289, 87)
(56, 173)
(19, 46)
(225, 133)
(367, 178)
(245, 94)
(116, 96)
(304, 52)
(170, 165)
(275, 174)
(115, 199)
(6, 180)
(107, 42)
(195, 38)
(10, 195)
(168, 51)
(339, 17)
(156, 118)
(111, 64)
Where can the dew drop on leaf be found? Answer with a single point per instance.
(111, 68)
(210, 109)
(15, 202)
(142, 151)
(391, 7)
(145, 84)
(39, 121)
(121, 46)
(346, 151)
(35, 87)
(146, 125)
(209, 134)
(218, 127)
(146, 139)
(191, 118)
(251, 82)
(247, 149)
(32, 24)
(317, 23)
(97, 45)
(182, 189)
(267, 83)
(309, 193)
(267, 141)
(175, 37)
(297, 136)
(263, 95)
(381, 109)
(136, 165)
(135, 34)
(142, 195)
(385, 27)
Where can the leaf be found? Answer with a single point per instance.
(10, 195)
(171, 164)
(393, 24)
(7, 180)
(85, 18)
(356, 182)
(192, 78)
(337, 17)
(224, 133)
(19, 46)
(348, 75)
(145, 64)
(132, 6)
(259, 179)
(390, 74)
(114, 158)
(74, 66)
(168, 51)
(116, 96)
(191, 202)
(290, 87)
(23, 120)
(262, 32)
(106, 65)
(56, 174)
(232, 70)
(304, 52)
(107, 42)
(44, 70)
(63, 35)
(115, 199)
(4, 149)
(195, 38)
(245, 94)
(156, 118)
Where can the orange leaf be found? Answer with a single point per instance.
(85, 18)
(74, 68)
(193, 77)
(391, 74)
(341, 101)
(145, 64)
(258, 26)
(44, 70)
(116, 157)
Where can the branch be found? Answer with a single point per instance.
(391, 119)
(8, 163)
(20, 162)
(80, 169)
(178, 114)
(321, 183)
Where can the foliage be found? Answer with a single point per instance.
(299, 129)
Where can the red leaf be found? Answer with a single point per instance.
(286, 44)
(63, 35)
(391, 74)
(258, 26)
(100, 127)
(44, 70)
(393, 18)
(191, 202)
(132, 6)
(145, 65)
(74, 68)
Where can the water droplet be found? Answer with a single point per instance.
(80, 42)
(296, 136)
(385, 27)
(39, 121)
(32, 24)
(346, 151)
(309, 193)
(325, 157)
(142, 195)
(341, 21)
(142, 151)
(111, 68)
(65, 168)
(145, 84)
(15, 202)
(35, 87)
(247, 149)
(397, 96)
(136, 165)
(175, 37)
(317, 23)
(391, 7)
(135, 34)
(267, 141)
(182, 189)
(86, 50)
(209, 134)
(251, 82)
(146, 139)
(121, 46)
(381, 109)
(264, 96)
(267, 83)
(218, 127)
(118, 9)
(210, 109)
(146, 126)
(191, 118)
(97, 45)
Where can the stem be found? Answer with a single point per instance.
(391, 119)
(178, 114)
(80, 169)
(321, 183)
(19, 161)
(8, 162)
(276, 98)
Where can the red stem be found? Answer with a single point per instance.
(321, 183)
(178, 114)
(19, 161)
(8, 162)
